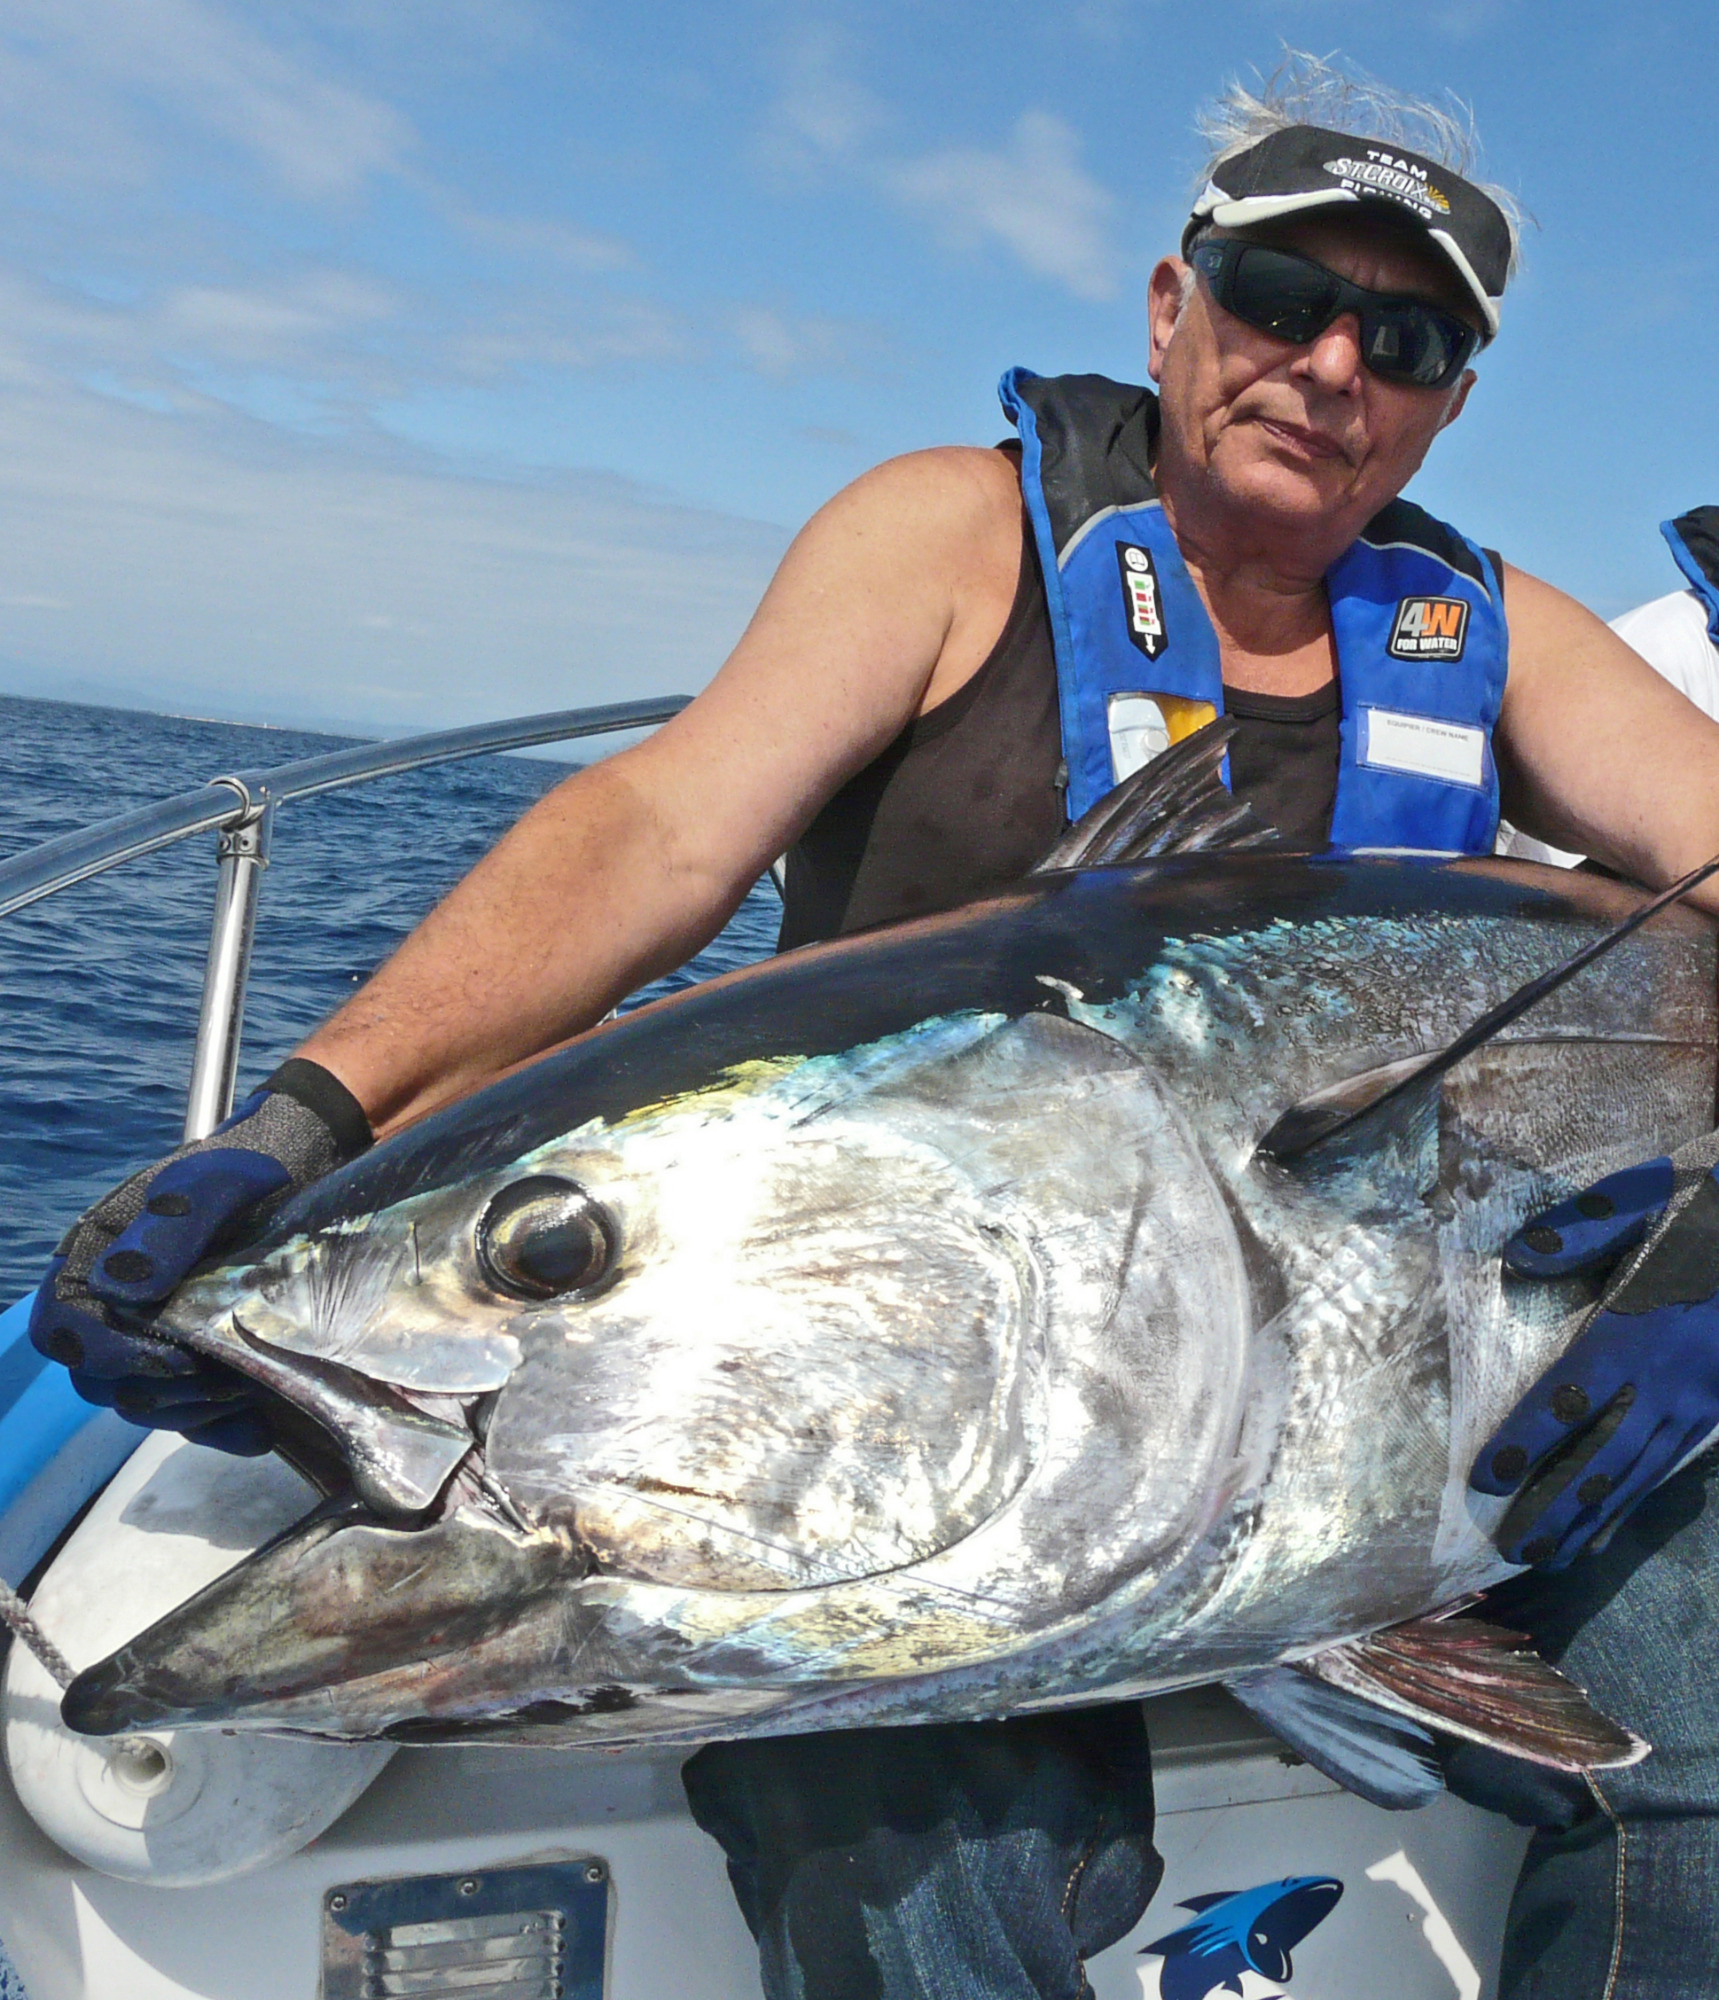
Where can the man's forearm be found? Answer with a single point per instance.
(588, 897)
(627, 869)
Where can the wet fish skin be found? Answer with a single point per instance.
(961, 1356)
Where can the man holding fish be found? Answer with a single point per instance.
(960, 653)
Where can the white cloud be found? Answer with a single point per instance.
(100, 60)
(122, 287)
(324, 349)
(323, 336)
(783, 344)
(273, 323)
(822, 115)
(767, 340)
(543, 330)
(540, 239)
(1033, 196)
(1463, 20)
(1113, 23)
(209, 560)
(202, 503)
(458, 40)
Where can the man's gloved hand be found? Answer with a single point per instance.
(1638, 1389)
(120, 1261)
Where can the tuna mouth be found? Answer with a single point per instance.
(147, 1684)
(102, 1702)
(384, 1482)
(378, 1365)
(341, 1601)
(397, 1450)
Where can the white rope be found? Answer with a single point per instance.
(15, 1615)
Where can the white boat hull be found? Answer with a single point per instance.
(1232, 1812)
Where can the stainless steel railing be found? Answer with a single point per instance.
(241, 810)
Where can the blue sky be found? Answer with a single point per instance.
(398, 362)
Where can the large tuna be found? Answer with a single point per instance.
(913, 1326)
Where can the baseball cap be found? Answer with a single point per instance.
(1304, 167)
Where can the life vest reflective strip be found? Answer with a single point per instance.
(1417, 615)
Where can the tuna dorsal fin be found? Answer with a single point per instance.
(1383, 1757)
(1320, 1117)
(1177, 804)
(1481, 1682)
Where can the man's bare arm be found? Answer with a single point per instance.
(1598, 752)
(887, 602)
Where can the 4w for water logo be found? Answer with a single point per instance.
(1430, 628)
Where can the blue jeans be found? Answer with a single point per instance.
(961, 1861)
(1619, 1895)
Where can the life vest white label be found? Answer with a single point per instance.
(1454, 752)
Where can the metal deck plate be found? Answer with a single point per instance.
(535, 1931)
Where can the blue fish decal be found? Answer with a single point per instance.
(1242, 1930)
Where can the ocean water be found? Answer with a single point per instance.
(99, 985)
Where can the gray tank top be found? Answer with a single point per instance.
(962, 803)
(969, 796)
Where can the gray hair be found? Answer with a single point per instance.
(1321, 90)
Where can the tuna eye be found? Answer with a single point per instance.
(543, 1237)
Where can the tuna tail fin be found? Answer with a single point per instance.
(1323, 1116)
(1382, 1757)
(1177, 804)
(1481, 1682)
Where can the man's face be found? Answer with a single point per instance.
(1286, 438)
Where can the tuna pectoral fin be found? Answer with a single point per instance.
(1483, 1683)
(1323, 1116)
(1382, 1757)
(1177, 804)
(1404, 1087)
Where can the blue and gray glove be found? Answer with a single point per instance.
(1637, 1392)
(122, 1259)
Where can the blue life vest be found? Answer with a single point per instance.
(1694, 543)
(1417, 612)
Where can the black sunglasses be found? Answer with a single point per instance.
(1294, 299)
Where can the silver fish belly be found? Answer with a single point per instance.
(943, 1345)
